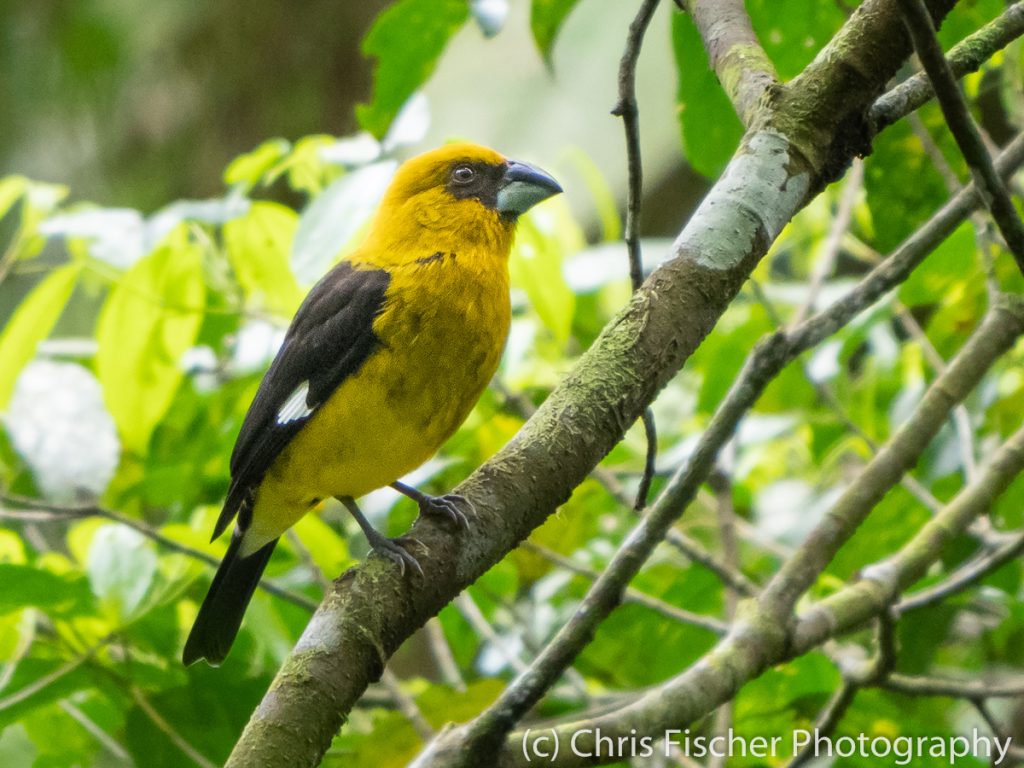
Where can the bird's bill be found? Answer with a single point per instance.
(522, 187)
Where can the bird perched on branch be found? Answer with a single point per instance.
(384, 360)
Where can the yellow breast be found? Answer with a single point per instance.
(441, 335)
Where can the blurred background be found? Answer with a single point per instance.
(133, 103)
(173, 178)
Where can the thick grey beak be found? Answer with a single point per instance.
(522, 187)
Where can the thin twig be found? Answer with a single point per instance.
(474, 616)
(833, 242)
(962, 126)
(37, 510)
(633, 595)
(97, 732)
(406, 705)
(721, 483)
(920, 685)
(40, 683)
(161, 723)
(965, 57)
(730, 576)
(735, 54)
(964, 577)
(442, 653)
(828, 720)
(627, 109)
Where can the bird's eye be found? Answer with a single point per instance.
(463, 174)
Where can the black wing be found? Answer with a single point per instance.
(328, 341)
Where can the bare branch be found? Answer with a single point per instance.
(997, 333)
(161, 723)
(915, 685)
(828, 720)
(736, 56)
(406, 705)
(728, 575)
(964, 577)
(629, 111)
(633, 595)
(965, 57)
(37, 509)
(880, 583)
(961, 124)
(830, 252)
(442, 653)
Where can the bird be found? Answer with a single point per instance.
(383, 361)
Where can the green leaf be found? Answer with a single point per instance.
(121, 565)
(250, 168)
(793, 31)
(546, 19)
(31, 586)
(149, 320)
(326, 548)
(898, 208)
(544, 238)
(31, 323)
(332, 221)
(258, 245)
(407, 39)
(711, 130)
(11, 189)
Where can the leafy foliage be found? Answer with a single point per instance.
(407, 39)
(183, 309)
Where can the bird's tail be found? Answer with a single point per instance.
(221, 613)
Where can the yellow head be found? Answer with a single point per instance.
(460, 195)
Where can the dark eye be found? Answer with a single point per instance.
(463, 174)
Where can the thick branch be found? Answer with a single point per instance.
(372, 609)
(736, 56)
(997, 334)
(881, 583)
(461, 746)
(758, 641)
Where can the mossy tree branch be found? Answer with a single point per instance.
(797, 142)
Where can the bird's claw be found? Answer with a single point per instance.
(396, 550)
(449, 507)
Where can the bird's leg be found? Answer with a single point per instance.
(447, 505)
(393, 549)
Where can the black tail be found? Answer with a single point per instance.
(221, 613)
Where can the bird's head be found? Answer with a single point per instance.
(462, 189)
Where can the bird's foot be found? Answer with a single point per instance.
(450, 505)
(396, 550)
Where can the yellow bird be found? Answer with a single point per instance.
(383, 361)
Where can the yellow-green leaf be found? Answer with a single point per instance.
(250, 168)
(11, 189)
(259, 245)
(544, 238)
(149, 320)
(31, 323)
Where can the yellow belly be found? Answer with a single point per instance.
(441, 343)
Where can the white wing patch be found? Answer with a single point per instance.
(295, 407)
